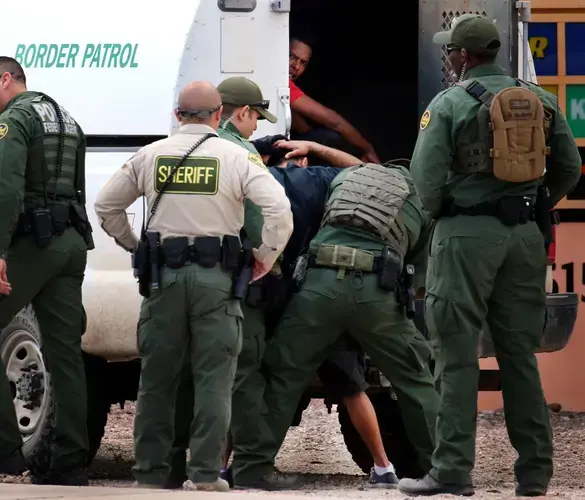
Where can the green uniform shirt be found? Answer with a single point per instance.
(451, 120)
(253, 220)
(418, 224)
(28, 148)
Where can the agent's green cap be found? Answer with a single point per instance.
(472, 32)
(240, 91)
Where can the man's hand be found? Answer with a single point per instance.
(5, 287)
(260, 269)
(370, 156)
(298, 148)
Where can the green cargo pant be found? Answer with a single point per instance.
(480, 269)
(52, 279)
(192, 315)
(247, 398)
(316, 317)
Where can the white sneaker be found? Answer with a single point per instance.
(218, 485)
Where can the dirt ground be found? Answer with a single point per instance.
(316, 450)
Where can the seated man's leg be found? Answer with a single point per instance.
(343, 375)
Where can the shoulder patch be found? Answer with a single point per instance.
(425, 119)
(3, 130)
(256, 159)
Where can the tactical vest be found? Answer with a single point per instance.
(368, 199)
(54, 154)
(512, 130)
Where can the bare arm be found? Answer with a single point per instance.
(310, 108)
(331, 156)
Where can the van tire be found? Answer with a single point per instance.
(398, 447)
(98, 402)
(20, 342)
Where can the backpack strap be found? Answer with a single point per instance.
(480, 93)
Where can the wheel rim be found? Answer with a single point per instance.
(28, 380)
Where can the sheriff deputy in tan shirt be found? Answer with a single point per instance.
(193, 313)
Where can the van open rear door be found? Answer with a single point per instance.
(247, 38)
(434, 71)
(435, 75)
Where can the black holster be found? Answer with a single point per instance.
(545, 217)
(61, 218)
(405, 295)
(41, 226)
(80, 222)
(389, 269)
(256, 295)
(146, 263)
(244, 271)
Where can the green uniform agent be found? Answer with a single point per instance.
(37, 171)
(248, 384)
(333, 301)
(481, 269)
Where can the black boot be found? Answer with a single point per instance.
(72, 476)
(14, 464)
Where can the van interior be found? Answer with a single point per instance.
(364, 66)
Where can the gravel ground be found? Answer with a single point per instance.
(316, 450)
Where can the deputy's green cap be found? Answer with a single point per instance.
(240, 91)
(472, 32)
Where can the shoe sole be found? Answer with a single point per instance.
(379, 486)
(266, 487)
(442, 491)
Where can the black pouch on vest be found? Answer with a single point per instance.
(176, 252)
(230, 252)
(42, 227)
(514, 210)
(61, 217)
(207, 250)
(81, 224)
(389, 271)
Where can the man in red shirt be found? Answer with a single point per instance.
(304, 109)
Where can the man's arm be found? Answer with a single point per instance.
(113, 200)
(310, 108)
(260, 187)
(565, 163)
(16, 129)
(331, 156)
(433, 156)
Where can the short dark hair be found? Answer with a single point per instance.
(12, 66)
(228, 110)
(303, 38)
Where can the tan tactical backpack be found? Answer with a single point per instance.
(519, 127)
